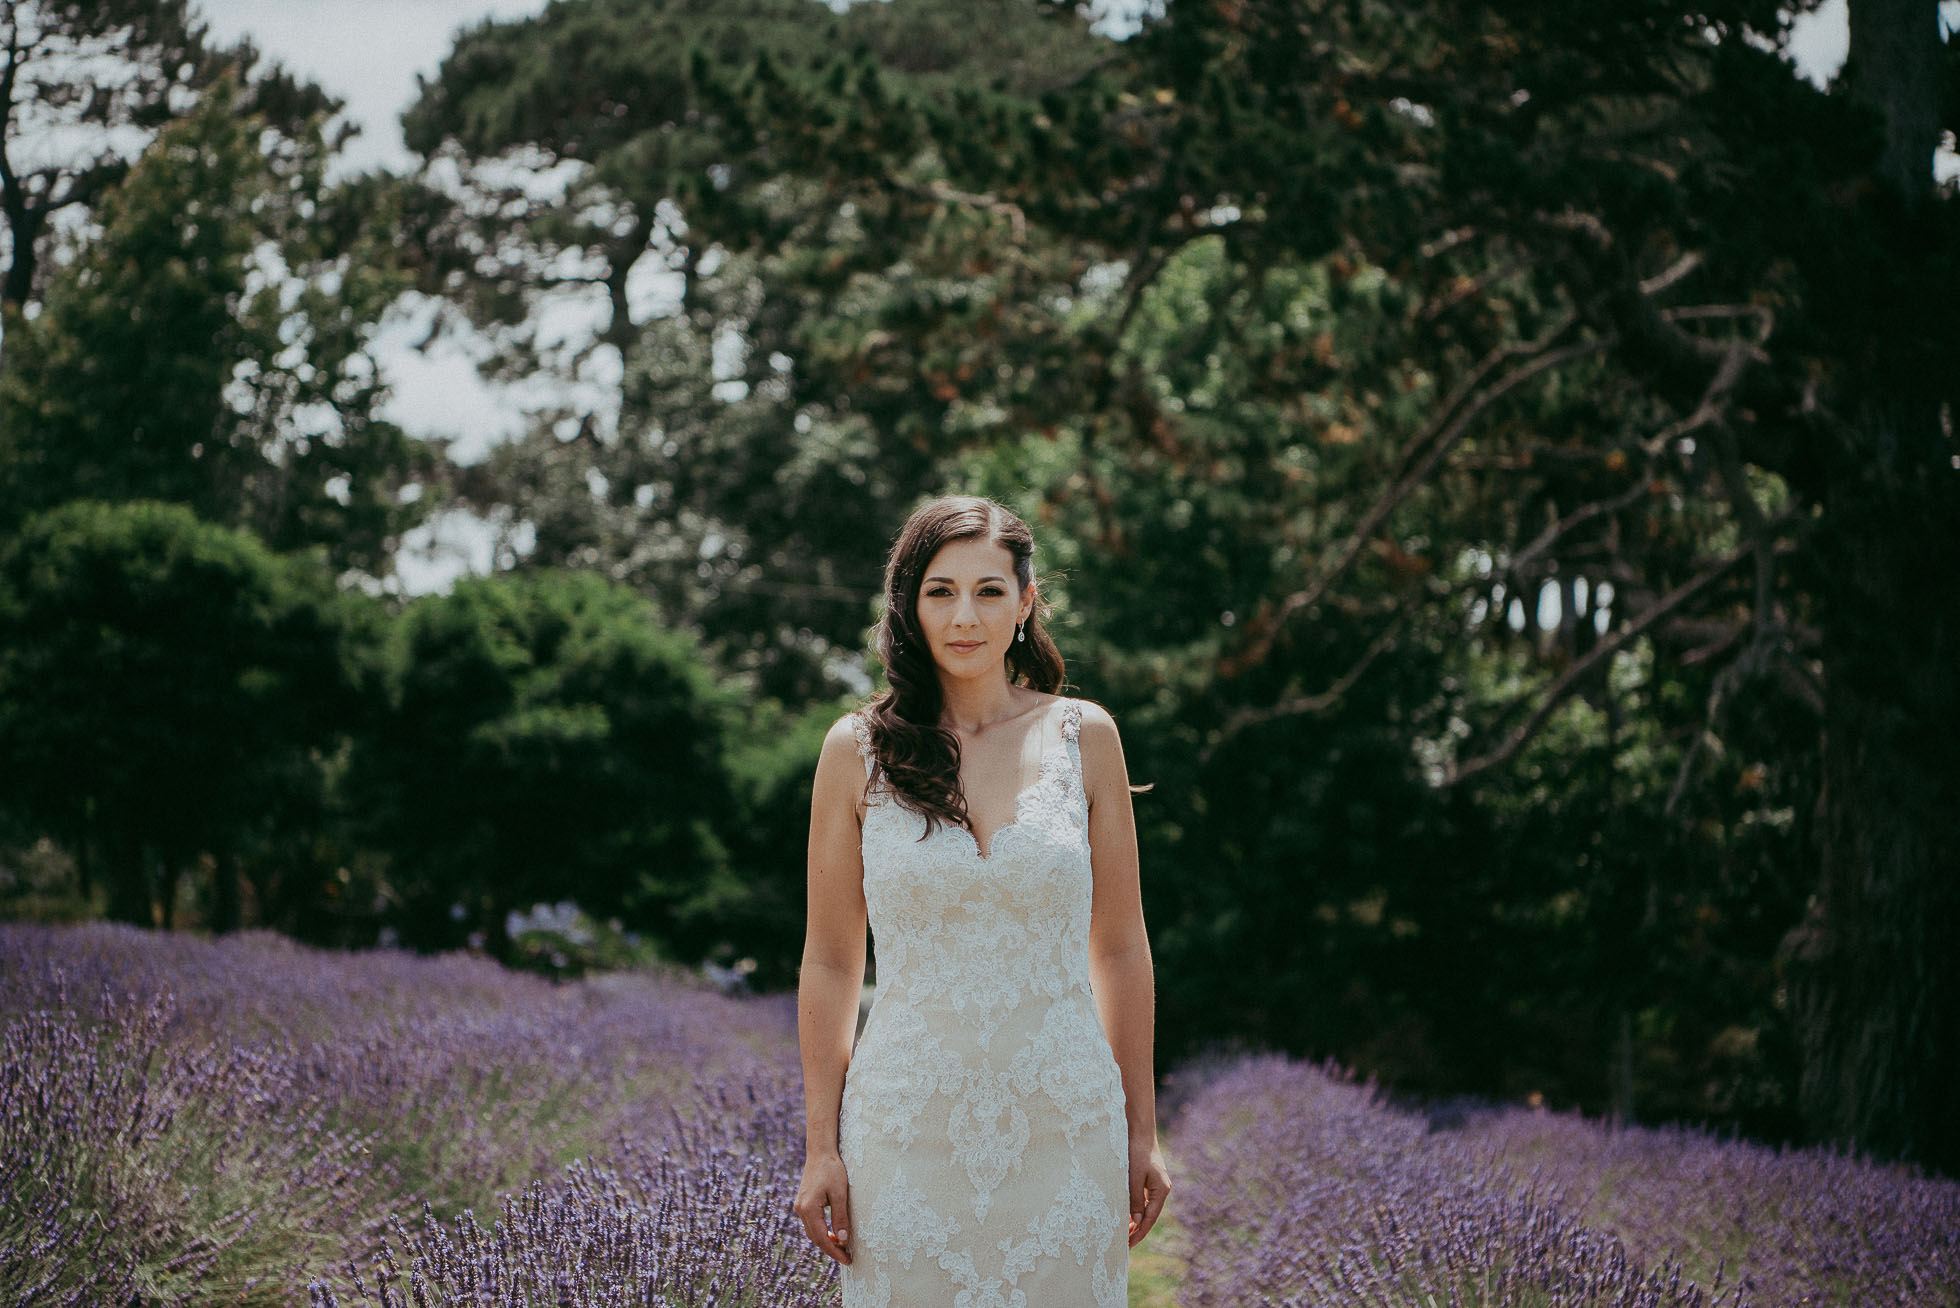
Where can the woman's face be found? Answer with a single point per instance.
(969, 603)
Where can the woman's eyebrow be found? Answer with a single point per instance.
(983, 581)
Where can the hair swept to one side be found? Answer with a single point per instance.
(918, 757)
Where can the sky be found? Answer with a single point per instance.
(369, 53)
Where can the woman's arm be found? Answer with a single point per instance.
(830, 984)
(1119, 958)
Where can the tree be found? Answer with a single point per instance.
(1631, 296)
(208, 346)
(100, 72)
(772, 762)
(544, 737)
(163, 682)
(1878, 986)
(1329, 342)
(748, 421)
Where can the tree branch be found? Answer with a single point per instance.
(941, 193)
(1293, 705)
(1475, 287)
(1764, 316)
(1674, 359)
(1458, 412)
(1671, 274)
(1557, 528)
(1576, 673)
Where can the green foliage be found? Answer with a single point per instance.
(563, 941)
(1193, 303)
(772, 406)
(1324, 343)
(545, 737)
(1320, 354)
(162, 681)
(39, 880)
(207, 346)
(771, 765)
(94, 77)
(201, 341)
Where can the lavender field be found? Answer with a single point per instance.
(248, 1121)
(1306, 1189)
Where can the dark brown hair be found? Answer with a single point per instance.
(919, 758)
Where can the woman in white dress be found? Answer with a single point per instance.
(991, 1141)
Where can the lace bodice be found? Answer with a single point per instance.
(980, 932)
(982, 1122)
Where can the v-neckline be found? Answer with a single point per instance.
(993, 841)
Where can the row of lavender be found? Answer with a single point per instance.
(1300, 1187)
(251, 1122)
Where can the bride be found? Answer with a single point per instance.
(991, 1139)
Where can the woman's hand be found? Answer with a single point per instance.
(1150, 1185)
(826, 1187)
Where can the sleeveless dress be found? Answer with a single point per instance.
(982, 1126)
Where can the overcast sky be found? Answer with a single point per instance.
(368, 52)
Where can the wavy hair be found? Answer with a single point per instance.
(919, 758)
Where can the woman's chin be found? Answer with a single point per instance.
(952, 663)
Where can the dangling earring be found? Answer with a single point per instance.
(1018, 633)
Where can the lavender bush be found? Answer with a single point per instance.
(1302, 1187)
(133, 1169)
(193, 1121)
(1794, 1226)
(248, 1121)
(701, 1218)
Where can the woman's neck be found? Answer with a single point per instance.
(971, 705)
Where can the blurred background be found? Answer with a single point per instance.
(1496, 461)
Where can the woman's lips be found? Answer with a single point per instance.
(966, 644)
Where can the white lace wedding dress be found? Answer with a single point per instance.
(982, 1125)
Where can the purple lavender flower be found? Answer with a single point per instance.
(184, 1120)
(1302, 1187)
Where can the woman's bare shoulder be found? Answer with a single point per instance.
(1096, 718)
(841, 744)
(1091, 709)
(1101, 745)
(844, 731)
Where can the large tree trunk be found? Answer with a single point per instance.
(169, 876)
(24, 225)
(225, 905)
(84, 863)
(1877, 991)
(1876, 984)
(1894, 67)
(127, 870)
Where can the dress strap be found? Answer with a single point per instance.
(862, 730)
(1072, 744)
